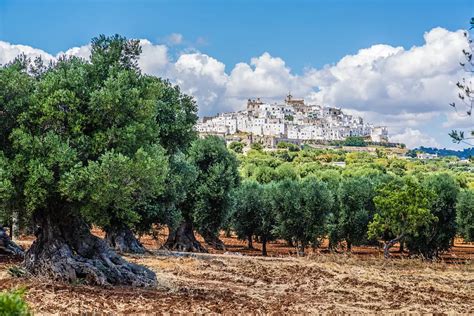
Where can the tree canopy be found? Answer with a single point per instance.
(87, 142)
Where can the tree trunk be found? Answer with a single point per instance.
(390, 244)
(183, 239)
(7, 246)
(123, 240)
(213, 241)
(15, 234)
(250, 243)
(301, 249)
(264, 246)
(66, 250)
(401, 249)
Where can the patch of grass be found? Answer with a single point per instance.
(16, 271)
(13, 303)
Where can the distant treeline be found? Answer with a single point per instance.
(462, 154)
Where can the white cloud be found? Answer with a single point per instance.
(414, 138)
(154, 58)
(391, 80)
(405, 89)
(174, 39)
(459, 119)
(8, 52)
(82, 52)
(203, 77)
(269, 77)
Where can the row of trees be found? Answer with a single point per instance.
(356, 210)
(95, 142)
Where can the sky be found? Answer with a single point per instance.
(393, 63)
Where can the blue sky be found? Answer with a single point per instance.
(304, 34)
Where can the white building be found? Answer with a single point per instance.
(293, 120)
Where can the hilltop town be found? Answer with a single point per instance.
(292, 121)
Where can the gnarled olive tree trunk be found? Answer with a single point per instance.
(123, 240)
(182, 239)
(213, 241)
(65, 250)
(7, 246)
(390, 244)
(264, 246)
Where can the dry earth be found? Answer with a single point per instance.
(230, 283)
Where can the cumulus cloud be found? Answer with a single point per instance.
(404, 88)
(154, 58)
(8, 52)
(414, 138)
(174, 39)
(203, 77)
(82, 52)
(392, 80)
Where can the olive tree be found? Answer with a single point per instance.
(175, 118)
(248, 200)
(355, 210)
(465, 215)
(82, 142)
(237, 147)
(254, 212)
(208, 203)
(438, 236)
(301, 208)
(402, 209)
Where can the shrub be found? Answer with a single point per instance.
(289, 146)
(13, 303)
(237, 147)
(354, 141)
(257, 146)
(465, 215)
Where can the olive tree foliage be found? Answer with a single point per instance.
(265, 174)
(249, 202)
(217, 177)
(237, 147)
(245, 217)
(430, 240)
(267, 219)
(83, 143)
(164, 208)
(254, 212)
(355, 211)
(7, 246)
(176, 117)
(6, 189)
(301, 208)
(465, 215)
(403, 209)
(209, 201)
(16, 87)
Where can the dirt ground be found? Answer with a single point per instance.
(239, 281)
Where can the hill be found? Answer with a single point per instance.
(443, 152)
